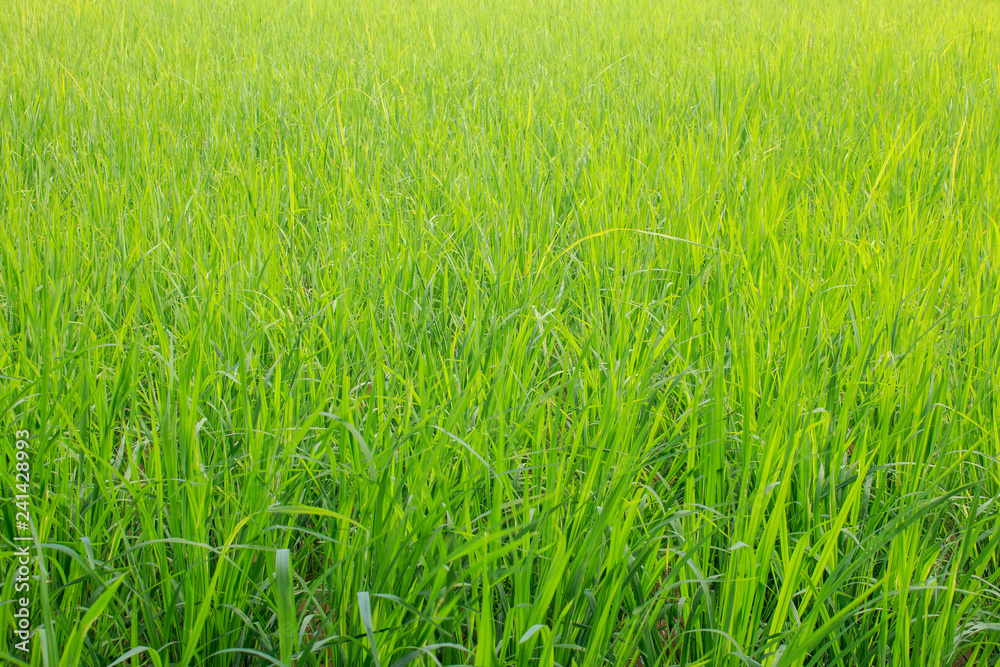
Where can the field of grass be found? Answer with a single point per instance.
(555, 332)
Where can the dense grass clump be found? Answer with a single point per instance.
(566, 332)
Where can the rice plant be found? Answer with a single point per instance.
(557, 332)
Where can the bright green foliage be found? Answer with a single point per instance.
(553, 332)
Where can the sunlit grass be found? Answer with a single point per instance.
(504, 333)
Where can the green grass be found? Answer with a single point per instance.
(490, 333)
